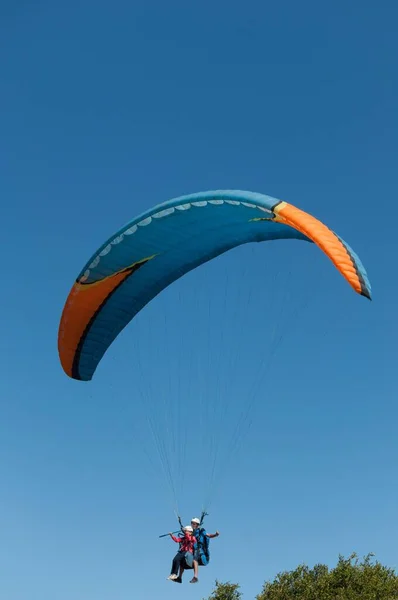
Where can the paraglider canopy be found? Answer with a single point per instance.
(171, 239)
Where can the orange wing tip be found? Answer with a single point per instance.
(84, 302)
(326, 240)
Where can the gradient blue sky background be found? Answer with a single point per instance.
(108, 108)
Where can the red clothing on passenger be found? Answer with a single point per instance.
(187, 542)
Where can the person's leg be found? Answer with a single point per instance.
(174, 567)
(181, 573)
(195, 572)
(181, 567)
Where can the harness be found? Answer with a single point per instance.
(202, 553)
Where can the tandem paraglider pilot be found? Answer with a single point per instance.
(202, 551)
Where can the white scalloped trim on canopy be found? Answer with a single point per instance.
(160, 215)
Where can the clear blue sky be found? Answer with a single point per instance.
(108, 108)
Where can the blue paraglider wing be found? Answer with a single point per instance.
(161, 245)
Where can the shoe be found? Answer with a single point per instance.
(178, 580)
(172, 577)
(194, 580)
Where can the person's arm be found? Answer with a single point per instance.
(176, 539)
(213, 535)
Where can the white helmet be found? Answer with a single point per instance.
(195, 520)
(188, 528)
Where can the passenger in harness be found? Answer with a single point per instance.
(201, 552)
(184, 556)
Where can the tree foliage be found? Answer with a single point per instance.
(226, 591)
(351, 579)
